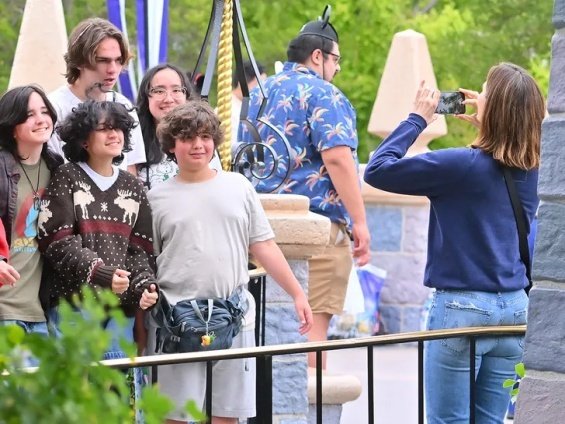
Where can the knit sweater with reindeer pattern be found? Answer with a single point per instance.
(86, 234)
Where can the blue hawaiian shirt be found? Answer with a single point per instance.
(314, 116)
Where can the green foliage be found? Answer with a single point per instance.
(68, 387)
(10, 17)
(465, 39)
(512, 384)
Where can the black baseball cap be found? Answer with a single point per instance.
(321, 27)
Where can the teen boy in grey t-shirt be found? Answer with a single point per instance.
(205, 224)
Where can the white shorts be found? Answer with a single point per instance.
(233, 383)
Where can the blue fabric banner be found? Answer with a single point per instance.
(152, 37)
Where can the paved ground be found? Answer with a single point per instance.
(395, 384)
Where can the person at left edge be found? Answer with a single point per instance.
(26, 123)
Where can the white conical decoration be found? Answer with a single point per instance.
(407, 64)
(41, 45)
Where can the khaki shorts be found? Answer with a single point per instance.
(329, 274)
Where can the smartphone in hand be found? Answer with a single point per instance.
(451, 102)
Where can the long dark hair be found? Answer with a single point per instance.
(13, 111)
(153, 152)
(511, 124)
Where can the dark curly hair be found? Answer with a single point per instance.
(153, 152)
(187, 121)
(85, 118)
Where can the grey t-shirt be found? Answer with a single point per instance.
(202, 232)
(21, 302)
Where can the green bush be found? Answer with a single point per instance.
(512, 384)
(68, 386)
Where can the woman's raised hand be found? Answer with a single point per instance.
(426, 102)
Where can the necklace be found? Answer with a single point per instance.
(36, 199)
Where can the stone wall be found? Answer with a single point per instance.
(290, 378)
(399, 235)
(542, 392)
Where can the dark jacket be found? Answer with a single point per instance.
(9, 178)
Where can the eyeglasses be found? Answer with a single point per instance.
(337, 57)
(159, 93)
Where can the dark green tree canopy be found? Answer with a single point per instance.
(465, 39)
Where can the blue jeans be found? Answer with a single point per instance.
(446, 362)
(29, 328)
(116, 331)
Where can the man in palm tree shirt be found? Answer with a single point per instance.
(320, 125)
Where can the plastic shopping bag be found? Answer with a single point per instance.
(354, 300)
(355, 323)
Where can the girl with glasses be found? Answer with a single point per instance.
(163, 88)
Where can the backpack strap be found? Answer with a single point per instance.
(520, 223)
(199, 312)
(161, 312)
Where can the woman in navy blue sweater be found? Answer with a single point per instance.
(473, 259)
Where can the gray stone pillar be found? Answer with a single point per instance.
(300, 234)
(542, 391)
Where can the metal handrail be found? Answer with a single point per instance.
(285, 349)
(264, 355)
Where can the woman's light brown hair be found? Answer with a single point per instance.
(511, 123)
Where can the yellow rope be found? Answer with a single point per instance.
(225, 54)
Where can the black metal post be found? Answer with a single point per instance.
(255, 288)
(264, 390)
(370, 384)
(209, 390)
(263, 283)
(319, 386)
(472, 349)
(420, 382)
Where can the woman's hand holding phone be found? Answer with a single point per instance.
(471, 100)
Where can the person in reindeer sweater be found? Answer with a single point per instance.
(95, 221)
